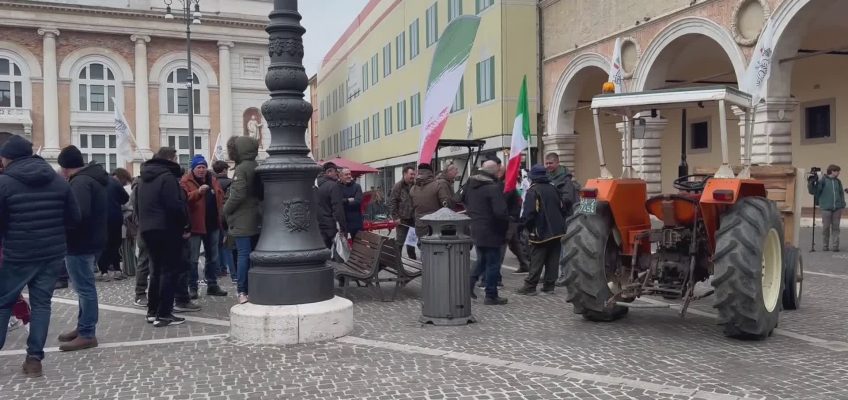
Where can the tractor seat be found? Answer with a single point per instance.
(674, 209)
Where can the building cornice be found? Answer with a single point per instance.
(117, 12)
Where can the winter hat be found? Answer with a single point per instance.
(71, 157)
(198, 160)
(16, 147)
(329, 165)
(538, 171)
(425, 166)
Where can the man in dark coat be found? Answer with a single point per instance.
(110, 260)
(543, 218)
(85, 242)
(331, 214)
(402, 210)
(36, 208)
(163, 223)
(352, 199)
(485, 204)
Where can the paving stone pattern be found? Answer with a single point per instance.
(532, 348)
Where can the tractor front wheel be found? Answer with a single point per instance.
(591, 259)
(749, 269)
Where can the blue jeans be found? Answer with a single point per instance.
(227, 262)
(81, 274)
(244, 245)
(41, 279)
(488, 263)
(211, 241)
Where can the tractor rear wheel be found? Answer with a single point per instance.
(749, 269)
(591, 256)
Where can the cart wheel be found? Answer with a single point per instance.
(793, 276)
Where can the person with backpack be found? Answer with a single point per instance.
(829, 195)
(543, 218)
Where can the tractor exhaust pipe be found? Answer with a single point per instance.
(683, 168)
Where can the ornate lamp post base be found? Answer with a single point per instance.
(300, 323)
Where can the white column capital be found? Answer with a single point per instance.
(224, 45)
(48, 32)
(140, 39)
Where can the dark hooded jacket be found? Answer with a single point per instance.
(330, 206)
(242, 210)
(36, 208)
(485, 204)
(543, 212)
(117, 197)
(89, 186)
(161, 201)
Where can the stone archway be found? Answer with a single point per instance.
(585, 70)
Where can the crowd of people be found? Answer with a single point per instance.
(536, 211)
(82, 225)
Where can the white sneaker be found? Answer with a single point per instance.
(15, 323)
(242, 298)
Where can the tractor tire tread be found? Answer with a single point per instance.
(738, 261)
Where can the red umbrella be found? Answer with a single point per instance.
(356, 169)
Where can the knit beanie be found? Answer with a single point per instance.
(16, 147)
(71, 157)
(198, 160)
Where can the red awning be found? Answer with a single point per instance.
(355, 168)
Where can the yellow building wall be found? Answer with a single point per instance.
(507, 32)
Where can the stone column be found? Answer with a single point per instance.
(51, 148)
(142, 103)
(225, 91)
(772, 139)
(647, 153)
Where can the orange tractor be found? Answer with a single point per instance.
(720, 227)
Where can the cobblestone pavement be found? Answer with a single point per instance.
(533, 348)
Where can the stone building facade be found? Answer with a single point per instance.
(66, 68)
(682, 43)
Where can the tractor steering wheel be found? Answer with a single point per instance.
(685, 184)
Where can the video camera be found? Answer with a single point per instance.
(814, 174)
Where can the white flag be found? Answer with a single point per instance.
(616, 73)
(124, 136)
(759, 70)
(38, 153)
(218, 154)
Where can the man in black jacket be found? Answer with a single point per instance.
(109, 261)
(542, 217)
(485, 204)
(163, 223)
(352, 200)
(331, 211)
(85, 242)
(36, 208)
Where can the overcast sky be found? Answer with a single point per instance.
(325, 21)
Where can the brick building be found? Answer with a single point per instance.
(65, 69)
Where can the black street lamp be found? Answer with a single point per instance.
(288, 266)
(191, 17)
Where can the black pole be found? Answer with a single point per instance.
(190, 80)
(683, 168)
(289, 263)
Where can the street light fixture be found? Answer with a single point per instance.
(190, 18)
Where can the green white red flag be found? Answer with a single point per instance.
(446, 72)
(520, 139)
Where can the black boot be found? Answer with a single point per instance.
(215, 291)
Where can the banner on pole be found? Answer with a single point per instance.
(446, 72)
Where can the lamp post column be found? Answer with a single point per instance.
(291, 285)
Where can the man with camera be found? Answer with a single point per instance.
(829, 195)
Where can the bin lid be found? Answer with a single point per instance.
(445, 215)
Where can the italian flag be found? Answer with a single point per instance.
(446, 72)
(520, 139)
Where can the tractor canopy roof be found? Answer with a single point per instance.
(628, 104)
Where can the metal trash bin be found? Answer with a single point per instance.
(446, 263)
